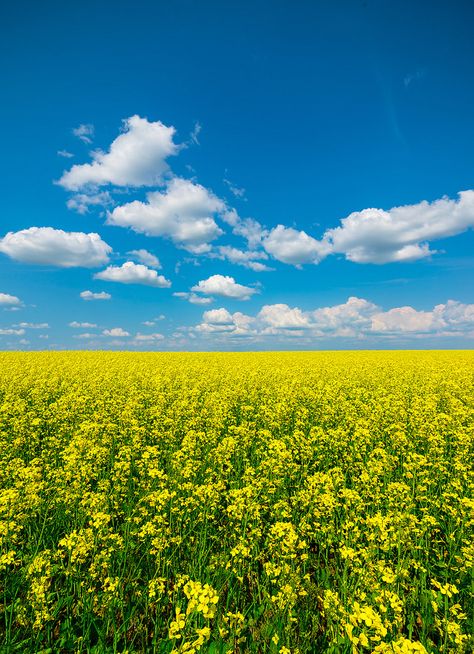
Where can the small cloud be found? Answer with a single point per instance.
(82, 325)
(81, 202)
(33, 325)
(193, 298)
(235, 190)
(12, 332)
(195, 132)
(133, 273)
(294, 247)
(89, 295)
(84, 133)
(116, 332)
(9, 300)
(145, 257)
(243, 258)
(65, 154)
(413, 77)
(224, 286)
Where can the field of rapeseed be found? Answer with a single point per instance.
(267, 503)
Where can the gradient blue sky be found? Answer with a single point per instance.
(305, 117)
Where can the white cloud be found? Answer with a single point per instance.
(81, 202)
(401, 233)
(117, 332)
(356, 318)
(234, 189)
(84, 133)
(9, 300)
(217, 316)
(145, 257)
(224, 286)
(195, 132)
(82, 325)
(446, 318)
(281, 316)
(294, 247)
(133, 273)
(33, 325)
(248, 228)
(148, 337)
(12, 332)
(193, 298)
(89, 295)
(344, 319)
(137, 157)
(55, 247)
(248, 259)
(221, 321)
(455, 314)
(404, 319)
(65, 154)
(183, 213)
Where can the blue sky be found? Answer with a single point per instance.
(251, 175)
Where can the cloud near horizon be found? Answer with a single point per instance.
(357, 318)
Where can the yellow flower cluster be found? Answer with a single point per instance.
(266, 503)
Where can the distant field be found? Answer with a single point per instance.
(270, 502)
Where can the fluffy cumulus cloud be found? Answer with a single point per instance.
(377, 236)
(224, 286)
(449, 318)
(133, 273)
(55, 247)
(402, 233)
(221, 321)
(145, 257)
(137, 157)
(295, 247)
(89, 295)
(405, 319)
(184, 212)
(347, 319)
(281, 316)
(9, 300)
(116, 332)
(356, 318)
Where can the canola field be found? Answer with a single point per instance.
(276, 503)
